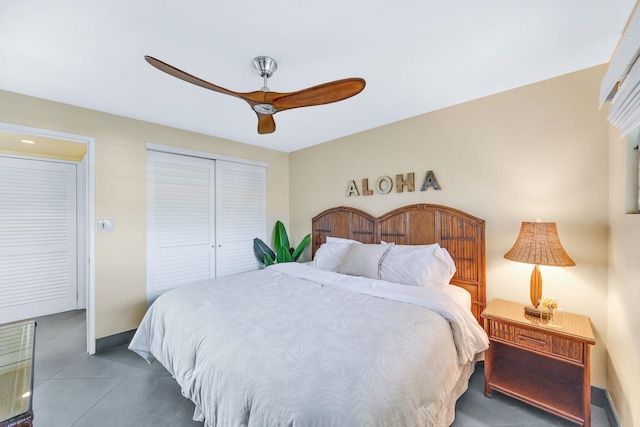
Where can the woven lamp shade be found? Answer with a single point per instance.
(538, 243)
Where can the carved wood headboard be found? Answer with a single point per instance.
(422, 224)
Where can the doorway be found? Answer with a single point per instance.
(38, 238)
(25, 144)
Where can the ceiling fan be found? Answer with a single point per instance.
(266, 103)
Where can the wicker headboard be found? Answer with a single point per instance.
(460, 233)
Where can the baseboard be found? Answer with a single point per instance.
(601, 399)
(105, 343)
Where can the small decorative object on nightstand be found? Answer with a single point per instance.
(538, 243)
(546, 366)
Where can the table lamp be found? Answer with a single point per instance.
(538, 243)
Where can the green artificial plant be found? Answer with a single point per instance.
(282, 251)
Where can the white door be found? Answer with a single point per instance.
(38, 238)
(180, 215)
(241, 215)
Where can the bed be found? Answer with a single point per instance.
(334, 342)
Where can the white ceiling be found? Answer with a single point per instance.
(416, 56)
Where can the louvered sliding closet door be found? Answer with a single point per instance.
(241, 215)
(180, 237)
(38, 271)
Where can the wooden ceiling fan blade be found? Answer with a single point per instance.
(266, 103)
(325, 93)
(189, 78)
(266, 123)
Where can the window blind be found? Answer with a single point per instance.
(621, 82)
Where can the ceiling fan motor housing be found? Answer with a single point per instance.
(265, 65)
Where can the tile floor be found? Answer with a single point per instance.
(118, 388)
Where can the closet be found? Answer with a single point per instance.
(202, 217)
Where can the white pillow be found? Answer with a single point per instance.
(423, 265)
(331, 239)
(363, 260)
(329, 255)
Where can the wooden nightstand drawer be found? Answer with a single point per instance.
(568, 349)
(533, 340)
(501, 331)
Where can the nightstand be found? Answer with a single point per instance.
(546, 364)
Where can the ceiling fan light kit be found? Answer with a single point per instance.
(264, 109)
(265, 102)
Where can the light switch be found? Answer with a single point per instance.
(106, 225)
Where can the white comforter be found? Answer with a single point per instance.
(295, 346)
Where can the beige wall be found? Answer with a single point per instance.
(624, 292)
(539, 151)
(120, 169)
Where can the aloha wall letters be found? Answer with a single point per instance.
(384, 184)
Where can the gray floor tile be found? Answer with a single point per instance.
(70, 325)
(474, 409)
(136, 401)
(599, 417)
(59, 403)
(184, 417)
(94, 367)
(53, 357)
(138, 366)
(118, 362)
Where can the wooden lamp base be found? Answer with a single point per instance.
(535, 287)
(535, 293)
